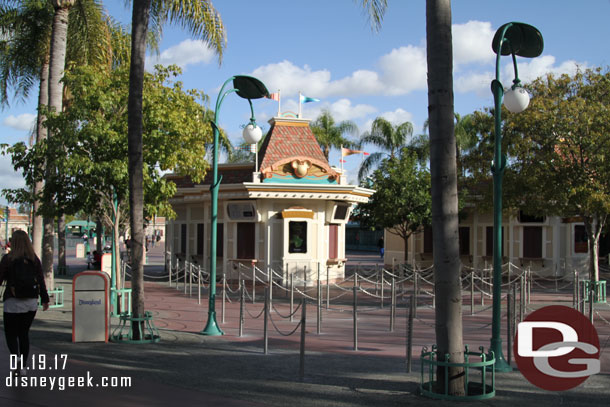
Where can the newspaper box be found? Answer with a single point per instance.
(90, 307)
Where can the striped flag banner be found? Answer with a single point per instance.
(346, 151)
(305, 99)
(274, 96)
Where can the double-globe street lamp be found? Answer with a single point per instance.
(248, 88)
(516, 39)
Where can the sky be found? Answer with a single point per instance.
(326, 49)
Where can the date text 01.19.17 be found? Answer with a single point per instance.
(39, 362)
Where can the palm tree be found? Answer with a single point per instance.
(23, 63)
(330, 134)
(466, 137)
(443, 169)
(202, 20)
(388, 137)
(26, 60)
(448, 312)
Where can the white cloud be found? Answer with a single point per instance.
(396, 117)
(23, 122)
(404, 70)
(401, 71)
(343, 110)
(9, 178)
(472, 43)
(477, 82)
(530, 69)
(291, 79)
(188, 52)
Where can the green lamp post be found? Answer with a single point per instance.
(516, 39)
(248, 88)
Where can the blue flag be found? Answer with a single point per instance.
(305, 99)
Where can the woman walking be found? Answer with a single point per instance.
(22, 271)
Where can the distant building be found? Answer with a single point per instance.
(16, 221)
(549, 244)
(288, 212)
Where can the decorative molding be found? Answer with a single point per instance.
(297, 213)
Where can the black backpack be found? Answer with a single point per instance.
(23, 279)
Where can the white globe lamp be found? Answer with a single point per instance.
(516, 99)
(252, 133)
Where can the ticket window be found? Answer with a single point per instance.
(297, 237)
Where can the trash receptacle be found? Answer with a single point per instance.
(90, 307)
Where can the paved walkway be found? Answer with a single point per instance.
(186, 368)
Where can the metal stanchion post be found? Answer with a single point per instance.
(253, 283)
(302, 350)
(191, 280)
(482, 290)
(415, 290)
(241, 307)
(522, 299)
(327, 287)
(472, 292)
(509, 338)
(291, 296)
(319, 313)
(578, 300)
(199, 284)
(270, 283)
(514, 310)
(382, 286)
(355, 312)
(529, 286)
(574, 290)
(185, 267)
(224, 296)
(393, 305)
(265, 330)
(177, 274)
(171, 270)
(410, 315)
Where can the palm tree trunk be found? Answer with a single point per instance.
(444, 192)
(139, 24)
(57, 60)
(41, 134)
(99, 226)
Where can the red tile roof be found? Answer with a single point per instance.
(290, 138)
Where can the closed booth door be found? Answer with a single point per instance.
(532, 242)
(333, 241)
(245, 240)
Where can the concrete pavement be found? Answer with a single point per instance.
(191, 369)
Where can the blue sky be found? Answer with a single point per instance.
(326, 49)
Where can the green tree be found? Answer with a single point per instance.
(201, 19)
(330, 134)
(28, 28)
(562, 141)
(388, 137)
(448, 312)
(91, 137)
(401, 203)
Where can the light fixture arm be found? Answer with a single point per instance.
(516, 39)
